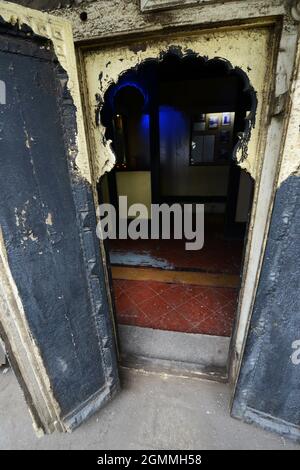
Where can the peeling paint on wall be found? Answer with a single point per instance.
(290, 164)
(111, 17)
(247, 49)
(49, 219)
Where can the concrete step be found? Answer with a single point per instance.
(185, 354)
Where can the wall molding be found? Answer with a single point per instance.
(153, 5)
(295, 10)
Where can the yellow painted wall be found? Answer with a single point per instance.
(136, 185)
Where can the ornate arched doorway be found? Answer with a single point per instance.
(179, 128)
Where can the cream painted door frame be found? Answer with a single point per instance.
(266, 146)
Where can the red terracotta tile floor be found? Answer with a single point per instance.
(175, 307)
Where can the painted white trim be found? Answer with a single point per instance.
(260, 221)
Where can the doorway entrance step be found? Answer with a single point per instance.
(174, 353)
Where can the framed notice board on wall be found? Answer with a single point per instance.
(211, 138)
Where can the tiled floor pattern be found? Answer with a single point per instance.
(171, 305)
(176, 307)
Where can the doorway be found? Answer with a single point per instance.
(175, 126)
(105, 65)
(95, 313)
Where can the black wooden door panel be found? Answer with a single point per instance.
(268, 387)
(48, 224)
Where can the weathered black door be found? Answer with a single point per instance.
(54, 303)
(267, 391)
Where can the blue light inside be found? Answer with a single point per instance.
(129, 83)
(145, 122)
(171, 122)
